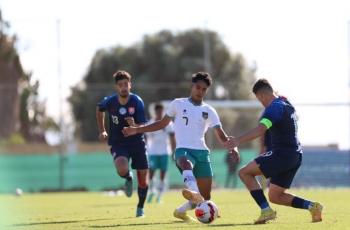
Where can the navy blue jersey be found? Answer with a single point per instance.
(117, 114)
(281, 121)
(268, 141)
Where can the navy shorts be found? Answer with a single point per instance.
(280, 166)
(135, 151)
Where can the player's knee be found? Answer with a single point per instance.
(122, 171)
(241, 173)
(184, 163)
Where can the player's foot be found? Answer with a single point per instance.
(128, 187)
(140, 212)
(159, 199)
(150, 197)
(316, 212)
(194, 197)
(265, 216)
(184, 216)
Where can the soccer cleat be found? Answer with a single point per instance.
(265, 216)
(140, 212)
(150, 197)
(128, 187)
(316, 212)
(183, 216)
(194, 197)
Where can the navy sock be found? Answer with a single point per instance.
(142, 193)
(127, 176)
(298, 202)
(260, 198)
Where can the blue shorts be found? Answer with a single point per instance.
(135, 151)
(280, 165)
(158, 162)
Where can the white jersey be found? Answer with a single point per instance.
(158, 142)
(191, 122)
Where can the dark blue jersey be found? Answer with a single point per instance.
(281, 121)
(268, 141)
(117, 114)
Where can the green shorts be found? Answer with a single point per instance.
(158, 162)
(200, 160)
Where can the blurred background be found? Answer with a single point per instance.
(57, 59)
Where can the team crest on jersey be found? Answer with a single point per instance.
(205, 115)
(115, 119)
(122, 110)
(131, 110)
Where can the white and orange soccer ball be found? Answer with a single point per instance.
(206, 212)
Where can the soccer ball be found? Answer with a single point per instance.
(206, 212)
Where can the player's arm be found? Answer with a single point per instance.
(129, 131)
(100, 118)
(172, 141)
(220, 134)
(252, 134)
(222, 137)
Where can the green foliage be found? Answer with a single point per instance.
(161, 65)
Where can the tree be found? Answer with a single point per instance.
(21, 110)
(161, 65)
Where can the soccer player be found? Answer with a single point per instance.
(192, 118)
(160, 145)
(282, 162)
(125, 109)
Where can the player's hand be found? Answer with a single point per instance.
(231, 143)
(235, 154)
(130, 121)
(103, 136)
(129, 131)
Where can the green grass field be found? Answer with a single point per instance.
(99, 211)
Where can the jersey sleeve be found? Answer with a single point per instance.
(214, 120)
(140, 111)
(272, 114)
(171, 111)
(103, 104)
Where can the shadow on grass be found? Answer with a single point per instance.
(133, 224)
(58, 222)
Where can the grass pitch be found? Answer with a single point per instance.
(99, 211)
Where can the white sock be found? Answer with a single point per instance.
(161, 187)
(151, 186)
(189, 180)
(186, 206)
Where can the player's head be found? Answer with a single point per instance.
(201, 81)
(158, 110)
(263, 91)
(122, 81)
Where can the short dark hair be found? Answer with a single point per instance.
(158, 106)
(121, 75)
(262, 84)
(202, 76)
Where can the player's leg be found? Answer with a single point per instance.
(247, 175)
(140, 163)
(152, 168)
(185, 162)
(164, 159)
(278, 195)
(121, 163)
